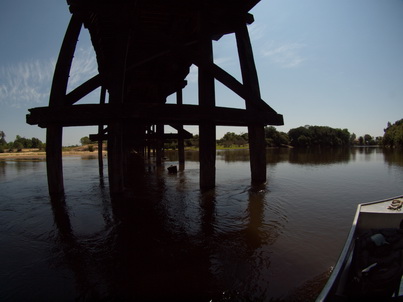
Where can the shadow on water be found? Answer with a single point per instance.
(161, 241)
(139, 257)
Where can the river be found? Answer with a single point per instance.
(276, 242)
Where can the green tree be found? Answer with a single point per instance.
(36, 143)
(368, 140)
(393, 136)
(192, 142)
(22, 142)
(295, 134)
(230, 139)
(85, 141)
(2, 138)
(275, 138)
(353, 138)
(319, 136)
(18, 145)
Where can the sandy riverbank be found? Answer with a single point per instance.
(28, 154)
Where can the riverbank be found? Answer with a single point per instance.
(84, 150)
(39, 154)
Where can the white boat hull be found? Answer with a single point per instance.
(372, 215)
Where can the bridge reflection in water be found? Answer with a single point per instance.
(166, 239)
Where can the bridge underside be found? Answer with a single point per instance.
(144, 52)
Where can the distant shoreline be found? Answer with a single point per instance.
(42, 154)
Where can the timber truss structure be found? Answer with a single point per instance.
(144, 51)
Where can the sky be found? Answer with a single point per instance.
(319, 62)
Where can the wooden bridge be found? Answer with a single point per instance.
(144, 51)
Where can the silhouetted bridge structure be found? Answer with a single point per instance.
(144, 51)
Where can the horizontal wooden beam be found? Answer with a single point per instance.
(96, 114)
(185, 135)
(98, 137)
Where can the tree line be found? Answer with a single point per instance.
(309, 136)
(19, 143)
(304, 136)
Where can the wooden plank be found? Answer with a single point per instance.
(244, 92)
(82, 90)
(104, 137)
(95, 114)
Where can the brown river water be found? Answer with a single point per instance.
(168, 240)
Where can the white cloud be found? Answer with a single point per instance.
(28, 83)
(285, 55)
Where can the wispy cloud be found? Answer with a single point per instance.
(256, 31)
(84, 67)
(222, 61)
(28, 83)
(25, 83)
(286, 55)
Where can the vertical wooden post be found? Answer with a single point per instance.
(115, 158)
(100, 154)
(115, 143)
(54, 160)
(148, 147)
(54, 133)
(154, 141)
(116, 88)
(159, 144)
(100, 135)
(257, 144)
(181, 144)
(207, 129)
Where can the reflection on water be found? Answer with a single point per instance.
(167, 239)
(392, 157)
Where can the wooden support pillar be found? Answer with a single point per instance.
(159, 144)
(207, 129)
(149, 144)
(54, 133)
(100, 135)
(257, 144)
(115, 82)
(115, 158)
(154, 142)
(181, 144)
(115, 145)
(54, 161)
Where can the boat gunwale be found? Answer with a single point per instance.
(346, 251)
